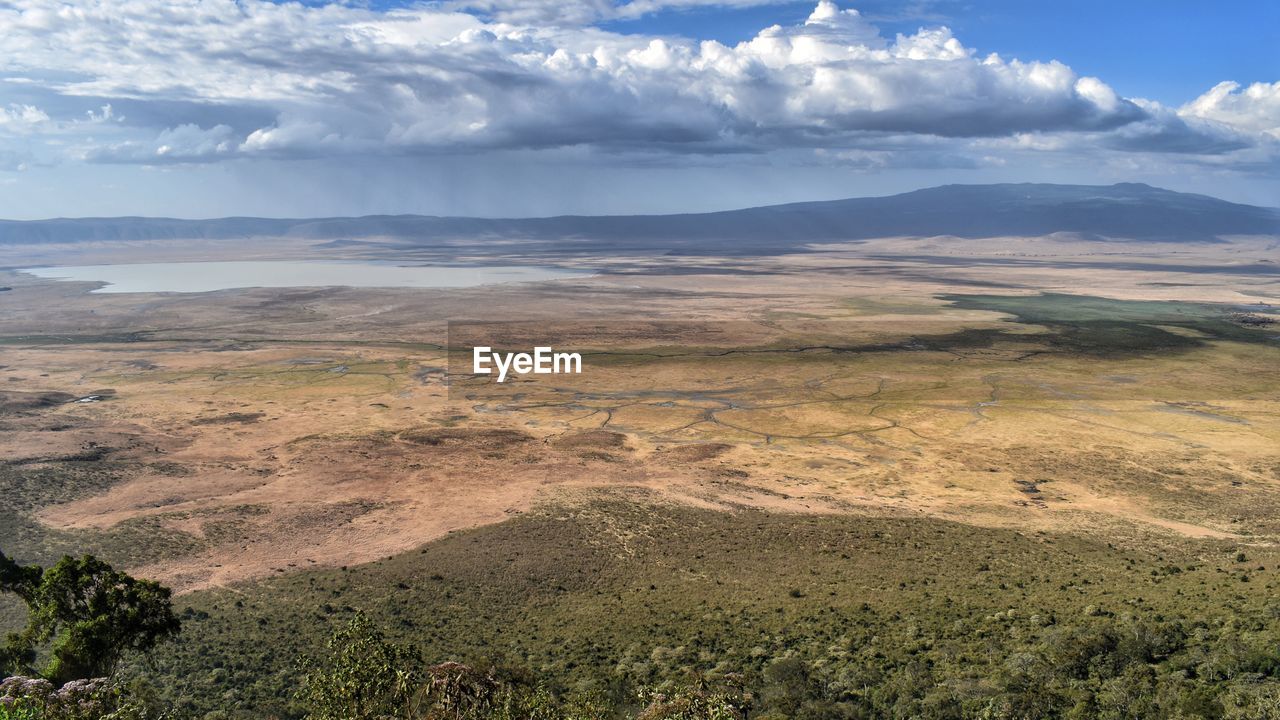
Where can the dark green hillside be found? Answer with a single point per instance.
(1093, 325)
(846, 616)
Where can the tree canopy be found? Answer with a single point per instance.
(87, 612)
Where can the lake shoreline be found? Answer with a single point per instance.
(214, 276)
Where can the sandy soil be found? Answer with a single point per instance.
(319, 427)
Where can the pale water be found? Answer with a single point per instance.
(194, 277)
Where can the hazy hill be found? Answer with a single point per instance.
(1124, 211)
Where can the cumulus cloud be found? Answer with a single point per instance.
(1254, 109)
(258, 79)
(1164, 131)
(1223, 121)
(181, 144)
(21, 119)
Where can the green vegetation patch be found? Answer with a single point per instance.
(1098, 325)
(30, 486)
(828, 616)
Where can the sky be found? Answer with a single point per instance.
(209, 108)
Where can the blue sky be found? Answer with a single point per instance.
(532, 107)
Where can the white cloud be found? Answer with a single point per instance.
(184, 143)
(259, 79)
(22, 119)
(1254, 109)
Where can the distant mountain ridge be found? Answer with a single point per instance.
(1127, 211)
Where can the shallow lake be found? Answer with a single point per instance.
(194, 277)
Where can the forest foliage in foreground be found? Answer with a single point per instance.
(622, 610)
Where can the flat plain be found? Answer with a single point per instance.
(746, 433)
